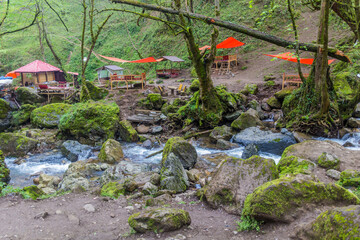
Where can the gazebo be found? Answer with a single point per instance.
(38, 72)
(105, 72)
(169, 72)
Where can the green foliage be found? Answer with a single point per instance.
(22, 116)
(248, 223)
(4, 108)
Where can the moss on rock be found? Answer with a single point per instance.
(127, 132)
(273, 102)
(4, 171)
(153, 101)
(49, 115)
(4, 108)
(28, 96)
(94, 93)
(22, 116)
(329, 161)
(195, 85)
(111, 152)
(246, 120)
(294, 165)
(280, 95)
(350, 178)
(280, 199)
(112, 190)
(32, 192)
(252, 88)
(16, 144)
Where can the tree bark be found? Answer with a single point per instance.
(239, 28)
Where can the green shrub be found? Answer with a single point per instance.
(248, 223)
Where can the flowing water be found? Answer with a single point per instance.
(54, 163)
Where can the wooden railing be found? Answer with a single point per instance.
(292, 78)
(55, 88)
(128, 78)
(224, 62)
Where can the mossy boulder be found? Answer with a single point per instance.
(173, 175)
(252, 88)
(153, 101)
(127, 132)
(16, 144)
(350, 178)
(195, 85)
(250, 118)
(92, 121)
(22, 116)
(281, 95)
(274, 103)
(4, 171)
(33, 192)
(49, 115)
(111, 152)
(28, 96)
(295, 165)
(95, 92)
(222, 132)
(281, 199)
(182, 149)
(235, 179)
(112, 190)
(338, 223)
(329, 161)
(159, 220)
(4, 108)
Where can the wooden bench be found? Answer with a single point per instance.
(128, 78)
(295, 78)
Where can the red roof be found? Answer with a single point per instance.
(36, 67)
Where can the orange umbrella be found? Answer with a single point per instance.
(12, 74)
(288, 56)
(230, 42)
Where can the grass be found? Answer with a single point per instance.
(248, 223)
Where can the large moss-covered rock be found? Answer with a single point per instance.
(350, 178)
(159, 220)
(273, 102)
(295, 165)
(16, 144)
(281, 199)
(235, 179)
(338, 223)
(222, 132)
(153, 101)
(28, 96)
(92, 92)
(173, 175)
(22, 116)
(111, 152)
(4, 108)
(92, 121)
(250, 118)
(280, 95)
(4, 171)
(182, 149)
(49, 115)
(195, 85)
(127, 132)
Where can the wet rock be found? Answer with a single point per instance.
(301, 137)
(214, 158)
(266, 141)
(235, 179)
(334, 174)
(344, 131)
(173, 174)
(225, 145)
(223, 132)
(282, 199)
(5, 123)
(16, 144)
(26, 95)
(49, 115)
(149, 189)
(142, 129)
(274, 103)
(356, 113)
(159, 220)
(156, 130)
(295, 165)
(337, 223)
(89, 208)
(111, 152)
(182, 150)
(329, 161)
(127, 132)
(348, 144)
(75, 151)
(147, 144)
(353, 123)
(250, 118)
(249, 151)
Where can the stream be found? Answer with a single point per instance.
(54, 163)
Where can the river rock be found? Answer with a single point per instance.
(156, 130)
(250, 118)
(91, 121)
(48, 181)
(147, 144)
(4, 171)
(49, 115)
(16, 144)
(265, 107)
(142, 129)
(312, 149)
(111, 152)
(250, 150)
(295, 165)
(182, 150)
(282, 199)
(26, 95)
(149, 189)
(301, 137)
(223, 132)
(159, 220)
(353, 123)
(75, 151)
(74, 182)
(266, 141)
(337, 223)
(235, 179)
(232, 116)
(127, 132)
(225, 145)
(334, 174)
(328, 161)
(173, 175)
(356, 113)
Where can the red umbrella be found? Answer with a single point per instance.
(288, 56)
(12, 74)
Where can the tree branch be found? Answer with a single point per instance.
(23, 28)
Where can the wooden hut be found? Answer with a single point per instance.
(172, 71)
(38, 72)
(105, 72)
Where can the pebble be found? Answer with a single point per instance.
(89, 208)
(177, 237)
(42, 215)
(74, 219)
(112, 215)
(58, 212)
(130, 208)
